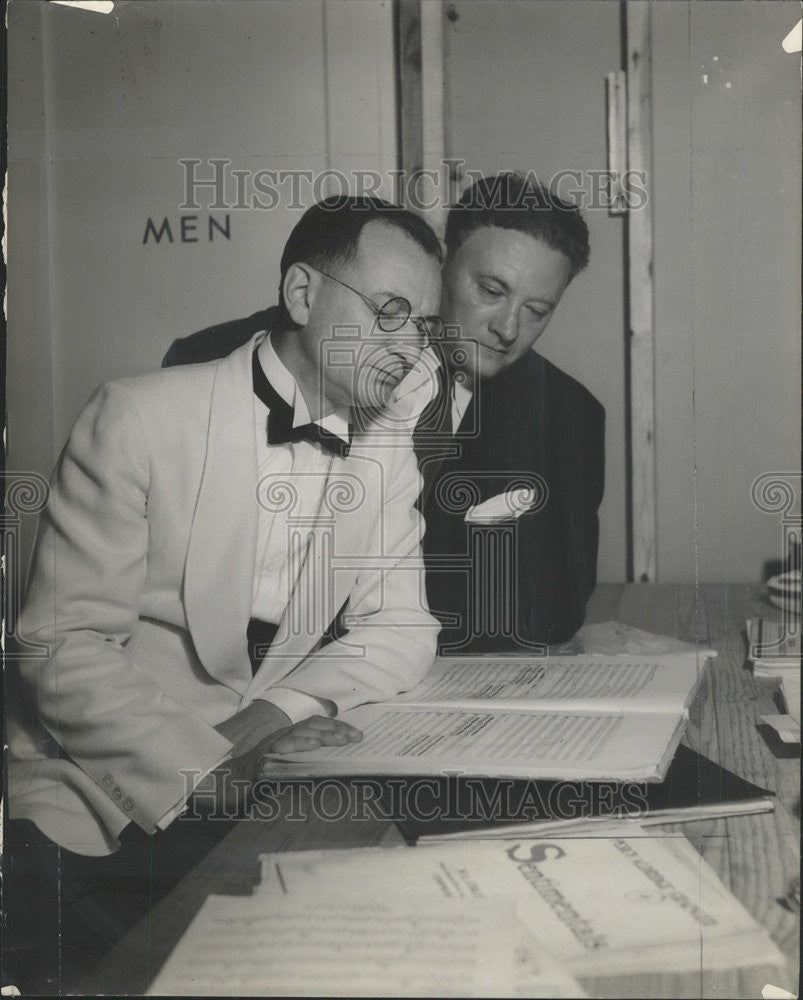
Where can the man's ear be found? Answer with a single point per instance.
(298, 289)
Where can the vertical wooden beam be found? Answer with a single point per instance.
(50, 266)
(616, 94)
(411, 116)
(436, 189)
(419, 47)
(640, 285)
(360, 135)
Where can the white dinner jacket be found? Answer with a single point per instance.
(142, 586)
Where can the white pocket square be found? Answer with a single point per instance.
(503, 507)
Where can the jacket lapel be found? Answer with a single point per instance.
(219, 573)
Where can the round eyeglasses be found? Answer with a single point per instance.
(393, 314)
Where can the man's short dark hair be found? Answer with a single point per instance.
(329, 232)
(513, 201)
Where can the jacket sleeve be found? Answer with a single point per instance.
(595, 465)
(391, 639)
(87, 575)
(557, 555)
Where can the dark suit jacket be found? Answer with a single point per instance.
(531, 419)
(218, 341)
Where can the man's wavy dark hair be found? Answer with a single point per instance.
(329, 232)
(513, 201)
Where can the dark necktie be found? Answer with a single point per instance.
(433, 430)
(436, 417)
(280, 418)
(259, 636)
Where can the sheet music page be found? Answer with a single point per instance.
(267, 946)
(402, 739)
(649, 683)
(598, 905)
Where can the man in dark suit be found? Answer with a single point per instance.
(517, 420)
(503, 418)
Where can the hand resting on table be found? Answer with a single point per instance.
(258, 730)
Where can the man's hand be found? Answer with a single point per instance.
(317, 731)
(227, 784)
(310, 734)
(248, 728)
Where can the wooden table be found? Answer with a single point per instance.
(755, 856)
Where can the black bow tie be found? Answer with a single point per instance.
(280, 418)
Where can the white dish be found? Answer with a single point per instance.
(784, 591)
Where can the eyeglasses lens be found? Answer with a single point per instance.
(394, 314)
(434, 327)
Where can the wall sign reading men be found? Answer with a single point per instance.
(188, 229)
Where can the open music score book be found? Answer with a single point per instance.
(587, 717)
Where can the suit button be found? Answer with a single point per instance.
(107, 779)
(117, 793)
(128, 805)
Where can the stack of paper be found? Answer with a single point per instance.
(775, 653)
(598, 906)
(474, 919)
(774, 647)
(481, 919)
(341, 945)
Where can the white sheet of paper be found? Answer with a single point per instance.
(598, 905)
(304, 946)
(614, 638)
(600, 826)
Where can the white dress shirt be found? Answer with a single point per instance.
(300, 462)
(461, 397)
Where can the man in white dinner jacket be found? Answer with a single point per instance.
(502, 416)
(205, 524)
